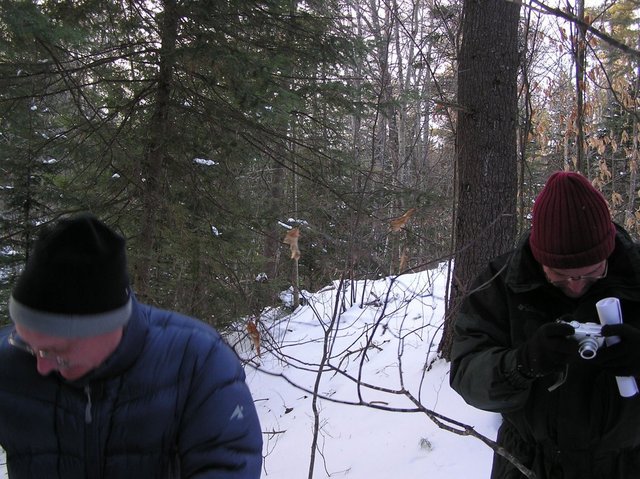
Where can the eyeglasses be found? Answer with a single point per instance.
(19, 343)
(588, 278)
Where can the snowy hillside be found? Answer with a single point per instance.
(370, 356)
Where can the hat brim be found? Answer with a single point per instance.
(69, 325)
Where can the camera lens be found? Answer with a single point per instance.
(588, 348)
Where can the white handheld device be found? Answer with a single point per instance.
(609, 313)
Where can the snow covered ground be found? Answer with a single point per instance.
(371, 356)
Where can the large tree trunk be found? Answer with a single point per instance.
(486, 154)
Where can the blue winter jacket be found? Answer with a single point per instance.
(170, 402)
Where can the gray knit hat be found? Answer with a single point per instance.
(75, 283)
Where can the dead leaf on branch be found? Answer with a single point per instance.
(400, 222)
(616, 199)
(605, 174)
(254, 335)
(291, 238)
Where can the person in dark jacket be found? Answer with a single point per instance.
(563, 415)
(94, 384)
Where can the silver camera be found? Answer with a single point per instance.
(589, 338)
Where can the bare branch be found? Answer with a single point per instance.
(544, 8)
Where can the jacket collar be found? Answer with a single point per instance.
(523, 272)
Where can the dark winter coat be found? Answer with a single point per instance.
(583, 429)
(170, 402)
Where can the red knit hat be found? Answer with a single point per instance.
(571, 226)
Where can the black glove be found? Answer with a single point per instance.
(623, 358)
(548, 350)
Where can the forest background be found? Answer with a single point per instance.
(245, 148)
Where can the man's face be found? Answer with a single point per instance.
(574, 282)
(72, 358)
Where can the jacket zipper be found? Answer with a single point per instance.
(93, 462)
(88, 418)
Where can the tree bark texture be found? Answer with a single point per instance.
(486, 154)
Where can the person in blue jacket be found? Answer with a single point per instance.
(94, 384)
